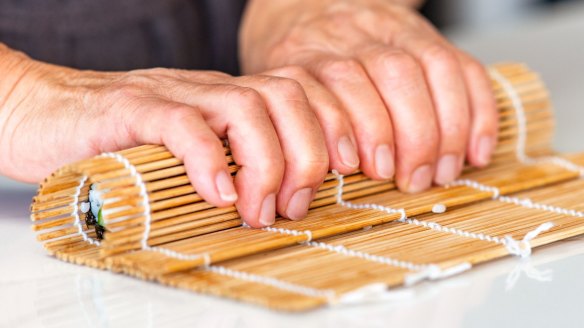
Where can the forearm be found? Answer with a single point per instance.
(13, 66)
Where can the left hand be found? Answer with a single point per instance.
(416, 105)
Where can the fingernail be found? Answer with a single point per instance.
(421, 179)
(347, 152)
(268, 210)
(225, 187)
(384, 161)
(448, 169)
(485, 148)
(299, 203)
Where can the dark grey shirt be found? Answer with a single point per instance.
(125, 34)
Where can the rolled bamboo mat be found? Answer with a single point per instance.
(158, 228)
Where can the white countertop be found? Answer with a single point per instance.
(545, 291)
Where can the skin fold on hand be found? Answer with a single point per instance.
(415, 105)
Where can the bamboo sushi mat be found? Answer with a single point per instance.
(361, 237)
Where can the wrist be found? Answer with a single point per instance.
(20, 76)
(13, 66)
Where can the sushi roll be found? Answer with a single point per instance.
(93, 211)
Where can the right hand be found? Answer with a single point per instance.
(53, 115)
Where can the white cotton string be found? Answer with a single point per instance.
(143, 194)
(328, 294)
(520, 248)
(182, 256)
(523, 248)
(528, 203)
(430, 271)
(424, 271)
(75, 213)
(519, 113)
(459, 232)
(522, 129)
(561, 162)
(290, 232)
(475, 185)
(340, 201)
(268, 281)
(139, 182)
(523, 202)
(514, 247)
(342, 250)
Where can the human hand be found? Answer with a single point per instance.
(415, 104)
(52, 115)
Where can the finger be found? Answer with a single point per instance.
(401, 83)
(446, 82)
(349, 82)
(333, 120)
(186, 134)
(301, 139)
(240, 114)
(484, 115)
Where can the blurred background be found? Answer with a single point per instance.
(543, 33)
(448, 14)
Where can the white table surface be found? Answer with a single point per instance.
(545, 291)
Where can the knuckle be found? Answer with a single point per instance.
(335, 118)
(455, 132)
(210, 143)
(437, 54)
(342, 68)
(489, 123)
(177, 114)
(271, 164)
(285, 87)
(292, 71)
(398, 64)
(177, 119)
(493, 121)
(421, 142)
(244, 97)
(484, 104)
(454, 123)
(313, 166)
(474, 68)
